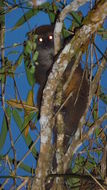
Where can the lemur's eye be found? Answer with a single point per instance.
(50, 37)
(40, 39)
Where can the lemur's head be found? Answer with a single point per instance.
(45, 44)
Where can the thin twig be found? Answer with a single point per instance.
(28, 152)
(95, 179)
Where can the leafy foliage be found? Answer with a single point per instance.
(20, 114)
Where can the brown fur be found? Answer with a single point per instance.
(75, 106)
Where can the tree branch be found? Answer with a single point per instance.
(47, 117)
(73, 6)
(77, 143)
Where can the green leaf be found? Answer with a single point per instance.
(2, 75)
(28, 118)
(4, 128)
(19, 60)
(30, 57)
(103, 32)
(2, 21)
(30, 14)
(27, 15)
(103, 97)
(28, 47)
(22, 166)
(30, 70)
(30, 76)
(72, 182)
(95, 111)
(97, 131)
(65, 33)
(35, 56)
(77, 17)
(52, 17)
(26, 168)
(12, 68)
(9, 69)
(13, 52)
(90, 166)
(104, 36)
(52, 12)
(77, 20)
(28, 139)
(79, 162)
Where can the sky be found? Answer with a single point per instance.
(18, 36)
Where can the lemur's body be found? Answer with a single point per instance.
(78, 85)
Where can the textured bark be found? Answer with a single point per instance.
(91, 24)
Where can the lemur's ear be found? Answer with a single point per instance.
(44, 29)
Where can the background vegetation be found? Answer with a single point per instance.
(19, 128)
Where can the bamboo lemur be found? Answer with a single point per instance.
(73, 109)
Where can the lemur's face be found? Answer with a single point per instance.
(45, 44)
(45, 38)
